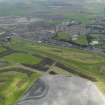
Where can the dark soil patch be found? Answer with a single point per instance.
(53, 73)
(42, 66)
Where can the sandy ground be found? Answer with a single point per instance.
(59, 90)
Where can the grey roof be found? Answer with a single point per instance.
(59, 90)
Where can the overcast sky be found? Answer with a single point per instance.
(59, 0)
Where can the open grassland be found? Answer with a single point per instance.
(2, 48)
(62, 36)
(55, 52)
(81, 40)
(13, 84)
(86, 62)
(22, 58)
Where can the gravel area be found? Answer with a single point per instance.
(59, 90)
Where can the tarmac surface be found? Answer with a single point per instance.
(59, 90)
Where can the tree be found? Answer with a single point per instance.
(89, 39)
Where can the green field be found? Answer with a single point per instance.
(2, 48)
(81, 40)
(22, 58)
(13, 84)
(62, 35)
(86, 62)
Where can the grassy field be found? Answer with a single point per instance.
(22, 58)
(2, 49)
(62, 35)
(81, 40)
(13, 84)
(86, 62)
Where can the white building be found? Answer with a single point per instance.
(94, 42)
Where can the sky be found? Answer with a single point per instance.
(88, 1)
